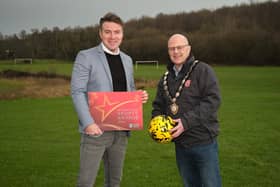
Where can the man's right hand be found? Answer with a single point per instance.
(178, 129)
(93, 130)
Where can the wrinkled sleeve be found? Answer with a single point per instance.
(159, 103)
(79, 81)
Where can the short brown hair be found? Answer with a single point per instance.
(110, 17)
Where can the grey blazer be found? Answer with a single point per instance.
(91, 72)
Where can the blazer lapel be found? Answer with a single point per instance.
(105, 64)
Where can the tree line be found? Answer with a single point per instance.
(246, 34)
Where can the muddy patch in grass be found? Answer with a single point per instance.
(33, 88)
(16, 84)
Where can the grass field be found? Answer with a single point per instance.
(39, 141)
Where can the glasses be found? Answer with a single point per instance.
(179, 48)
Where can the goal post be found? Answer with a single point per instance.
(146, 62)
(23, 60)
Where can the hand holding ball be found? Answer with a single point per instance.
(159, 128)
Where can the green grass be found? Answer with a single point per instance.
(50, 66)
(250, 126)
(39, 140)
(145, 72)
(149, 72)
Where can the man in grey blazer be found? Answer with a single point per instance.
(102, 68)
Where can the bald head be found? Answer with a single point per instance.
(178, 38)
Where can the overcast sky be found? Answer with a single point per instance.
(18, 15)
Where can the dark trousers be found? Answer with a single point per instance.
(199, 165)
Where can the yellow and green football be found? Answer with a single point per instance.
(159, 128)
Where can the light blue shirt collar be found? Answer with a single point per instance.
(177, 70)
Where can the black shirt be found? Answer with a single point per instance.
(117, 72)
